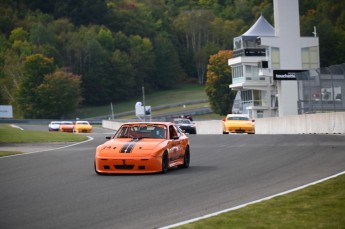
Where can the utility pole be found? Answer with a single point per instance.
(143, 89)
(112, 110)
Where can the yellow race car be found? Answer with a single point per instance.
(82, 127)
(238, 123)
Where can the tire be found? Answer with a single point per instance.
(165, 162)
(225, 132)
(186, 159)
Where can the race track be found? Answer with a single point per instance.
(59, 189)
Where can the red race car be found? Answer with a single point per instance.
(143, 147)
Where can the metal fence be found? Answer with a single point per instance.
(321, 90)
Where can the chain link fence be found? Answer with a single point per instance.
(321, 90)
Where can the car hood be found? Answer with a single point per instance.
(131, 146)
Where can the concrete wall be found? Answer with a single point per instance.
(323, 123)
(202, 127)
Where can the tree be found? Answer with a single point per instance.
(221, 97)
(59, 95)
(329, 22)
(124, 76)
(167, 63)
(106, 39)
(35, 68)
(142, 58)
(98, 83)
(194, 32)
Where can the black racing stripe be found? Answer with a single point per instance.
(125, 146)
(128, 147)
(131, 146)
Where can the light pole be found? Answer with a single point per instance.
(143, 89)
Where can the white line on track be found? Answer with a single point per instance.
(250, 203)
(15, 126)
(62, 147)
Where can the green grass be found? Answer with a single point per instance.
(181, 108)
(183, 93)
(318, 206)
(9, 153)
(9, 134)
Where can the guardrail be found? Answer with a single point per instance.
(323, 123)
(320, 123)
(44, 121)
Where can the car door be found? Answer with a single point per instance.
(175, 146)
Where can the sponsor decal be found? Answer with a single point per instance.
(285, 74)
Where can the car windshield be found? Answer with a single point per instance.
(66, 123)
(142, 131)
(82, 123)
(239, 118)
(182, 121)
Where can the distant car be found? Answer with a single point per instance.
(186, 125)
(238, 123)
(54, 126)
(186, 116)
(140, 147)
(82, 127)
(66, 126)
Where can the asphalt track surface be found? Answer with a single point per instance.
(59, 188)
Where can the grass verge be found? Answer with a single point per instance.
(9, 153)
(318, 206)
(9, 134)
(183, 93)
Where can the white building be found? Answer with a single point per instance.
(265, 60)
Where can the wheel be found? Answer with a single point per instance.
(165, 162)
(186, 159)
(225, 132)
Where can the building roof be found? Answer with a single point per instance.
(261, 28)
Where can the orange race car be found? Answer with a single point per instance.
(141, 147)
(66, 126)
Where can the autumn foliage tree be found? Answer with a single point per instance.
(221, 97)
(118, 46)
(59, 95)
(35, 67)
(46, 93)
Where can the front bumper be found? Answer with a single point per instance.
(248, 130)
(83, 130)
(128, 165)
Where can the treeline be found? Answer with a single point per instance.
(106, 50)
